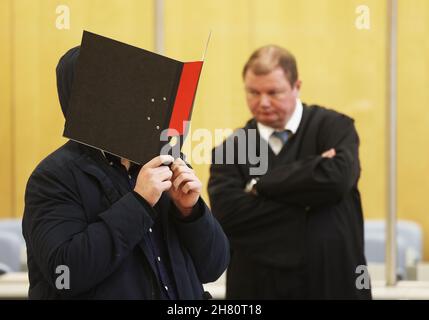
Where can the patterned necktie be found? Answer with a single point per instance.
(282, 135)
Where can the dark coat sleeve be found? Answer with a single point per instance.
(57, 230)
(317, 181)
(246, 218)
(205, 241)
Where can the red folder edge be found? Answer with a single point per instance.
(185, 97)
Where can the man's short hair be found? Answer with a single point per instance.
(267, 58)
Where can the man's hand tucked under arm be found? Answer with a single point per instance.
(329, 153)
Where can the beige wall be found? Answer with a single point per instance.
(31, 45)
(341, 67)
(6, 177)
(413, 114)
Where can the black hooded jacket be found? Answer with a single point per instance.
(84, 228)
(65, 76)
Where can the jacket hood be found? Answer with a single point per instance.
(65, 75)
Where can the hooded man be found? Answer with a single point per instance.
(98, 227)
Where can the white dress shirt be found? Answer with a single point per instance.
(292, 125)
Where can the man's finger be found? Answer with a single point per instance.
(178, 163)
(186, 176)
(160, 169)
(165, 185)
(165, 175)
(181, 169)
(329, 153)
(164, 159)
(194, 185)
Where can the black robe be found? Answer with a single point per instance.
(302, 236)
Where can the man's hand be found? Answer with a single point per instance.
(154, 179)
(186, 187)
(329, 153)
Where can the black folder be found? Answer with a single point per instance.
(129, 101)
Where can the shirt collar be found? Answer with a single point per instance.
(292, 125)
(115, 160)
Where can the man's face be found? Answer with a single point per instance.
(270, 97)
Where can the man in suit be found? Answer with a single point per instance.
(296, 231)
(98, 227)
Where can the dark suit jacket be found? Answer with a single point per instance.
(302, 236)
(78, 214)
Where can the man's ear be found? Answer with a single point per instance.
(296, 88)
